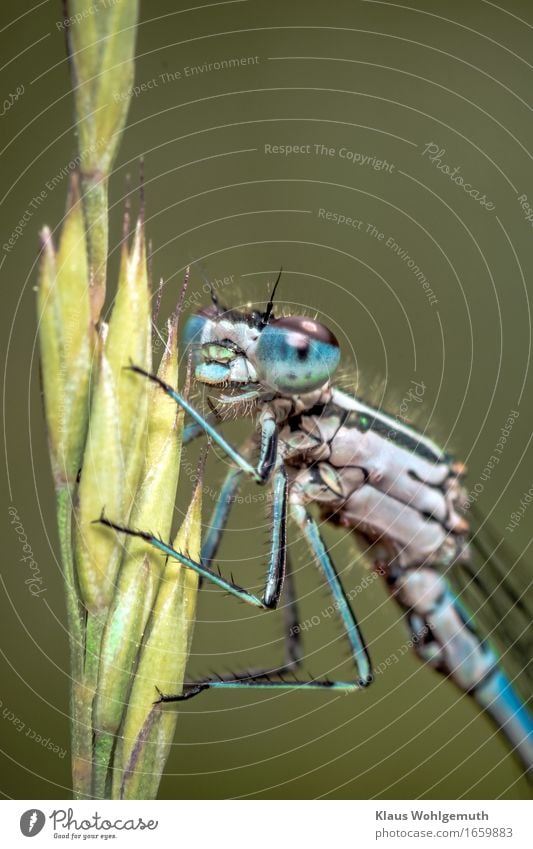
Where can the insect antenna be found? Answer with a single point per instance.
(214, 299)
(270, 306)
(220, 308)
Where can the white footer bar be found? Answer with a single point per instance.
(270, 824)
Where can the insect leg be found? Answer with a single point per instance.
(320, 552)
(199, 568)
(217, 525)
(276, 561)
(259, 677)
(194, 430)
(293, 640)
(220, 515)
(210, 546)
(266, 464)
(260, 680)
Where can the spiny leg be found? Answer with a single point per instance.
(359, 651)
(292, 634)
(200, 569)
(293, 639)
(253, 677)
(263, 472)
(217, 526)
(261, 681)
(267, 460)
(193, 430)
(279, 568)
(220, 515)
(276, 560)
(268, 467)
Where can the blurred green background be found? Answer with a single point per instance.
(366, 79)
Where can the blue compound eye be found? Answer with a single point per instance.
(191, 336)
(296, 354)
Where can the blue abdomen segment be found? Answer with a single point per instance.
(497, 696)
(445, 637)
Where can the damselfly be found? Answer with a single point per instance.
(365, 470)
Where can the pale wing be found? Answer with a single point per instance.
(497, 588)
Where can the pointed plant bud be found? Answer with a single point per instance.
(67, 340)
(142, 564)
(129, 341)
(114, 454)
(149, 729)
(101, 45)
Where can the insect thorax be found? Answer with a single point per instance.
(379, 479)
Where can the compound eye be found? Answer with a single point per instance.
(296, 354)
(314, 330)
(192, 335)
